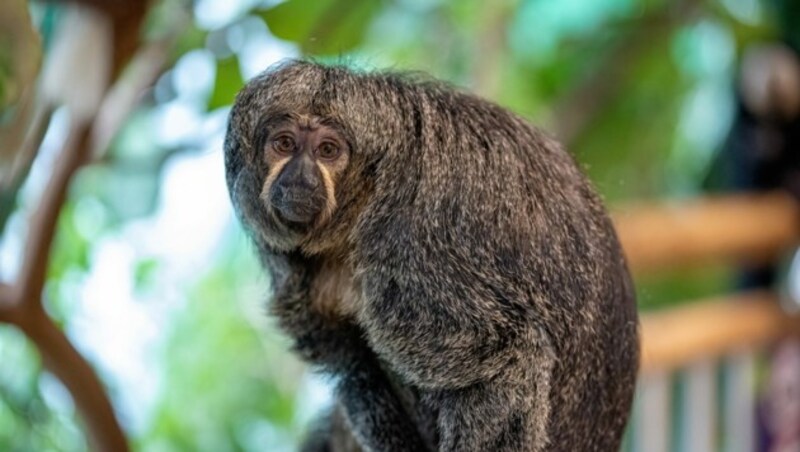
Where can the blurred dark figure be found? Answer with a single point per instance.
(762, 151)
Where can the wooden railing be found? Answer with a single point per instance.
(711, 328)
(751, 228)
(702, 340)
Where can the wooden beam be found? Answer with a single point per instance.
(713, 328)
(743, 228)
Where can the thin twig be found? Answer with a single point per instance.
(11, 182)
(122, 98)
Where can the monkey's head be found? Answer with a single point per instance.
(291, 160)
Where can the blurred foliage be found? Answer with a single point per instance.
(226, 389)
(322, 27)
(29, 419)
(645, 86)
(226, 83)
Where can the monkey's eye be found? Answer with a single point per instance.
(283, 144)
(328, 151)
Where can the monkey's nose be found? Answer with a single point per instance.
(302, 173)
(308, 181)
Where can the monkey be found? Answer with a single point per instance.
(443, 259)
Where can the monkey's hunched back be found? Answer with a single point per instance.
(467, 289)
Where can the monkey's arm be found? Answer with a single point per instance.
(334, 345)
(375, 414)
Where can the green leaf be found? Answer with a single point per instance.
(227, 83)
(145, 273)
(323, 27)
(294, 20)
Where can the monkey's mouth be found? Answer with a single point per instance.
(296, 212)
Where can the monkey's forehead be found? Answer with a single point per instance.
(291, 87)
(335, 93)
(297, 87)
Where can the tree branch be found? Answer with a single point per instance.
(26, 311)
(77, 152)
(6, 294)
(43, 224)
(12, 180)
(21, 304)
(88, 393)
(8, 312)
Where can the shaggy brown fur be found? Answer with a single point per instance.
(468, 290)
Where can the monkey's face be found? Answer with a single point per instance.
(305, 156)
(299, 165)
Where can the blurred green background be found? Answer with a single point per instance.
(152, 277)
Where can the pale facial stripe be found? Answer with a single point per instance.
(330, 198)
(274, 171)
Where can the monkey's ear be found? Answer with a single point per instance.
(234, 158)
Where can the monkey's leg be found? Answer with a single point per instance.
(375, 413)
(318, 439)
(508, 413)
(370, 414)
(331, 434)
